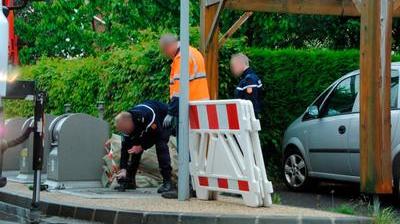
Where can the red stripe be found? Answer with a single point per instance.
(194, 117)
(212, 117)
(223, 183)
(233, 118)
(243, 185)
(203, 181)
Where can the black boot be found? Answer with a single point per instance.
(125, 184)
(165, 187)
(170, 194)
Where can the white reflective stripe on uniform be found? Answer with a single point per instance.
(154, 114)
(249, 86)
(198, 76)
(193, 77)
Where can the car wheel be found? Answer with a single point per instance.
(295, 171)
(396, 178)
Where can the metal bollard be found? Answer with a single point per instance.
(100, 109)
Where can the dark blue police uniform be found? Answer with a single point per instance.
(249, 79)
(145, 117)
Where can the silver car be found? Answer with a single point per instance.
(324, 141)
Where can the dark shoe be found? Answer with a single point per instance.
(130, 186)
(123, 186)
(170, 194)
(193, 193)
(120, 188)
(165, 187)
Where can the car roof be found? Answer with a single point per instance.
(394, 65)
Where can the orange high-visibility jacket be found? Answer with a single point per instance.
(198, 86)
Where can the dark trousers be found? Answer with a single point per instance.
(160, 140)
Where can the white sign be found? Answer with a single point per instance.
(3, 51)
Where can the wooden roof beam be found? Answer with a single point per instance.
(396, 5)
(358, 5)
(316, 7)
(215, 22)
(234, 28)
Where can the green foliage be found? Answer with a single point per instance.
(125, 77)
(387, 216)
(61, 28)
(64, 29)
(346, 209)
(276, 199)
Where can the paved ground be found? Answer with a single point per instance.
(226, 205)
(328, 195)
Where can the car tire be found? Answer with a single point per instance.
(396, 179)
(295, 170)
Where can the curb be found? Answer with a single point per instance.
(140, 217)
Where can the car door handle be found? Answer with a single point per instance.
(342, 129)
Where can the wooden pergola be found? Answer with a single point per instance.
(375, 59)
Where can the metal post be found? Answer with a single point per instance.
(38, 137)
(3, 180)
(100, 109)
(183, 181)
(2, 134)
(67, 108)
(375, 142)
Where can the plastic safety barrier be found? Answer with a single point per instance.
(226, 153)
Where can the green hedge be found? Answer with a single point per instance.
(122, 78)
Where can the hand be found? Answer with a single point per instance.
(108, 143)
(121, 174)
(168, 121)
(135, 149)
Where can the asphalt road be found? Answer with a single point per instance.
(328, 195)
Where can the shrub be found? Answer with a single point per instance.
(122, 78)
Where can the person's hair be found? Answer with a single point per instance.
(167, 39)
(242, 57)
(122, 116)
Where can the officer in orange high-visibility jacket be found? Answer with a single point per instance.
(198, 86)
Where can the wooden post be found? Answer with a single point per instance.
(375, 134)
(210, 52)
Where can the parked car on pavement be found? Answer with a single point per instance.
(324, 141)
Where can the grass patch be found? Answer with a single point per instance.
(386, 216)
(346, 209)
(276, 199)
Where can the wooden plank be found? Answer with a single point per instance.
(215, 22)
(396, 5)
(211, 2)
(375, 134)
(357, 4)
(234, 28)
(211, 51)
(314, 7)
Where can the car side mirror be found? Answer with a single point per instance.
(6, 11)
(313, 111)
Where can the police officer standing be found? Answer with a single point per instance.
(250, 85)
(198, 85)
(142, 128)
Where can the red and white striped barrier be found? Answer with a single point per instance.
(226, 153)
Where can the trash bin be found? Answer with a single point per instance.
(76, 151)
(13, 128)
(26, 154)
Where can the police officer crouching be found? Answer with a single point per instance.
(142, 128)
